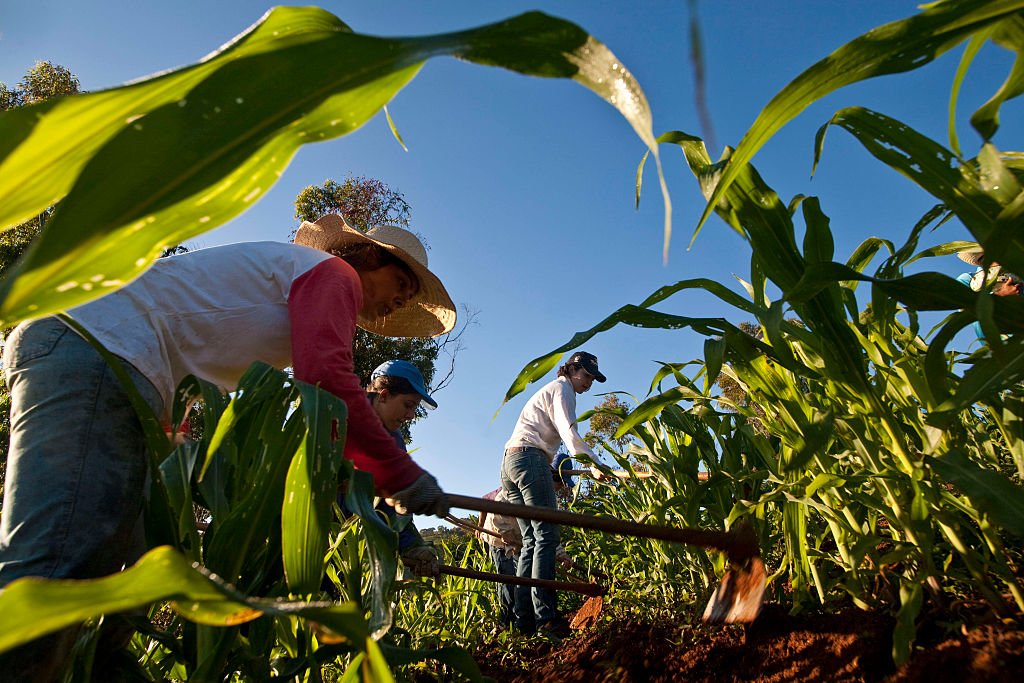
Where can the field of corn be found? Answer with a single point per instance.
(880, 468)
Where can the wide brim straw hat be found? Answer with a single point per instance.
(428, 314)
(973, 256)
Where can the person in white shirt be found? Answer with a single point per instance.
(504, 541)
(547, 419)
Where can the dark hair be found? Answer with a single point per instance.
(569, 368)
(363, 256)
(391, 384)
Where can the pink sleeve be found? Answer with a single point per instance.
(322, 307)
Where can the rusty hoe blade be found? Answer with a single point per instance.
(737, 600)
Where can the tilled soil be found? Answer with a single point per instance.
(846, 646)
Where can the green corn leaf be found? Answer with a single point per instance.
(990, 492)
(258, 426)
(905, 631)
(627, 315)
(654, 405)
(1009, 34)
(818, 243)
(176, 471)
(219, 133)
(311, 488)
(641, 316)
(30, 608)
(1012, 426)
(986, 377)
(973, 47)
(714, 354)
(893, 48)
(258, 384)
(975, 201)
(213, 486)
(455, 657)
(754, 210)
(381, 546)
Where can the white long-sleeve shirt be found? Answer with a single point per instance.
(549, 418)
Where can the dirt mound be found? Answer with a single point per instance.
(847, 646)
(988, 654)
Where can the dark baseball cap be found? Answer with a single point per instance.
(589, 363)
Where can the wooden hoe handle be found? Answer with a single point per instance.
(738, 545)
(591, 589)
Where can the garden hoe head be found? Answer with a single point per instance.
(739, 597)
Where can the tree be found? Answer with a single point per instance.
(40, 83)
(366, 202)
(605, 422)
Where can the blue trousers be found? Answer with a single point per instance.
(505, 563)
(526, 479)
(76, 471)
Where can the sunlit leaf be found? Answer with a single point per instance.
(33, 607)
(893, 48)
(217, 135)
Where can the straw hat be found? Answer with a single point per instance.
(428, 314)
(972, 256)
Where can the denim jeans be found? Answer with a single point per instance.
(526, 478)
(76, 469)
(505, 563)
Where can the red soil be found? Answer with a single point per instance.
(848, 646)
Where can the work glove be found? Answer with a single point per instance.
(422, 560)
(562, 557)
(597, 474)
(422, 497)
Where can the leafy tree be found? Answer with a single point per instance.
(366, 202)
(605, 421)
(40, 83)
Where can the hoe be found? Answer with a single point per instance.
(738, 598)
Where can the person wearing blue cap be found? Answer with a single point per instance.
(396, 391)
(547, 419)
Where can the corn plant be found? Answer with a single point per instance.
(887, 475)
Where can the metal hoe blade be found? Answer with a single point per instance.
(738, 598)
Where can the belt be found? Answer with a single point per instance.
(520, 449)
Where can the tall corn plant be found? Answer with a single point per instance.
(886, 470)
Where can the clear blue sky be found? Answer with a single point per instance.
(524, 187)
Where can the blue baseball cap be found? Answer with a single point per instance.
(407, 371)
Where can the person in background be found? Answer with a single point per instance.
(547, 419)
(396, 391)
(1006, 284)
(505, 541)
(74, 495)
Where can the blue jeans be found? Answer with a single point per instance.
(526, 478)
(505, 563)
(76, 468)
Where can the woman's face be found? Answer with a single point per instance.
(385, 290)
(395, 410)
(581, 380)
